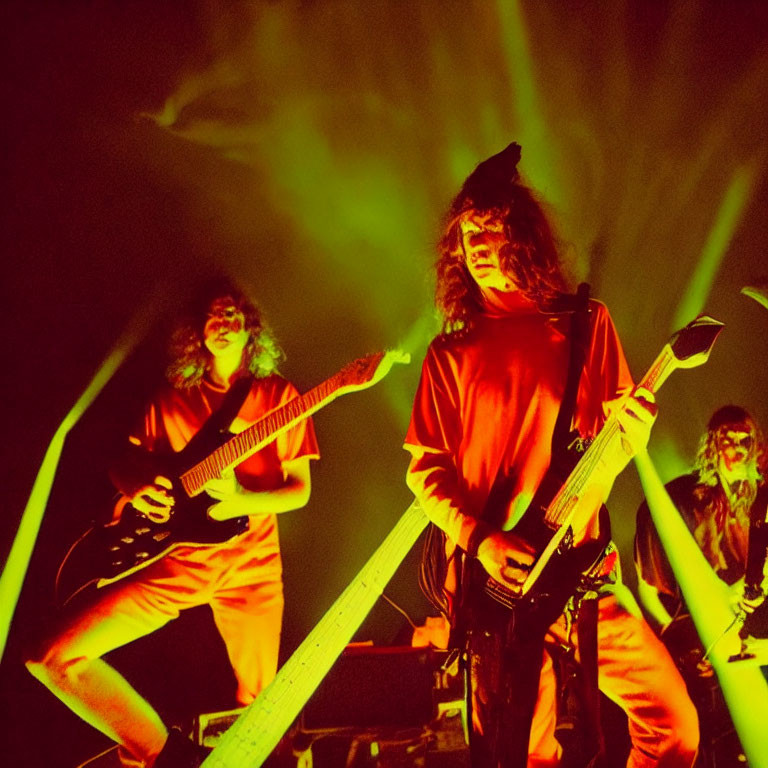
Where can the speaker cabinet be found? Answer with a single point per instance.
(374, 688)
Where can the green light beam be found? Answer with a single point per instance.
(667, 455)
(727, 219)
(414, 342)
(253, 736)
(744, 688)
(533, 133)
(15, 569)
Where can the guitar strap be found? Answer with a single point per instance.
(577, 305)
(757, 550)
(131, 471)
(220, 419)
(757, 554)
(579, 342)
(588, 745)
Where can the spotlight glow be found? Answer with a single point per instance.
(744, 688)
(250, 741)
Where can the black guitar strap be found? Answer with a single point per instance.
(589, 744)
(220, 419)
(579, 343)
(757, 550)
(130, 472)
(578, 306)
(757, 554)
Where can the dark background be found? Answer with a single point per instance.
(309, 149)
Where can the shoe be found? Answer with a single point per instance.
(180, 752)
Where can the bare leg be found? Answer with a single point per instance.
(103, 698)
(69, 664)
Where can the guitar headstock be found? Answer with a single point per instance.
(369, 370)
(691, 345)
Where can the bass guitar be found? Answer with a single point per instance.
(130, 541)
(549, 525)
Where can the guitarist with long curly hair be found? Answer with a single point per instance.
(224, 368)
(493, 394)
(723, 504)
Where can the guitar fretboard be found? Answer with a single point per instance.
(593, 458)
(254, 438)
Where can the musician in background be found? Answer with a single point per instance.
(480, 438)
(716, 501)
(225, 357)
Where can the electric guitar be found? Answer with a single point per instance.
(549, 525)
(130, 541)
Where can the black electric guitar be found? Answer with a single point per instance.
(131, 541)
(549, 522)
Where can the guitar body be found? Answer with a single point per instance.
(566, 571)
(567, 564)
(131, 541)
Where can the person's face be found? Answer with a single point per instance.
(224, 332)
(482, 238)
(736, 456)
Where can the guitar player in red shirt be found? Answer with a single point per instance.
(225, 347)
(480, 439)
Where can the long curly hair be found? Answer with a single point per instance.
(189, 358)
(721, 521)
(729, 418)
(531, 257)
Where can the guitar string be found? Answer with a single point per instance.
(228, 453)
(584, 469)
(561, 503)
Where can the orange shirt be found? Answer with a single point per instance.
(487, 404)
(177, 414)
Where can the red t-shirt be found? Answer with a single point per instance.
(487, 403)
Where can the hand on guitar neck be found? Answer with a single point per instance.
(634, 414)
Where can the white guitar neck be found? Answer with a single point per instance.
(257, 731)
